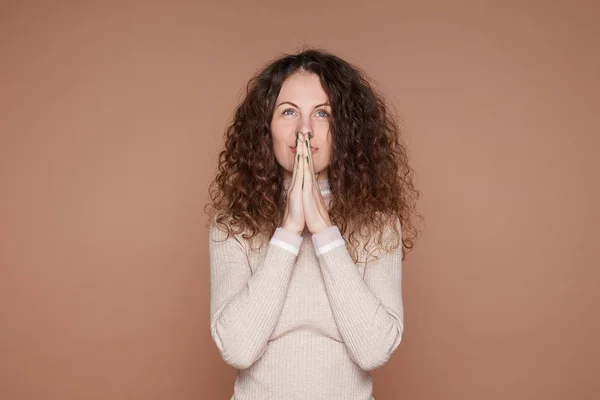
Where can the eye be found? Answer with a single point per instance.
(322, 113)
(291, 111)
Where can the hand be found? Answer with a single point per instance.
(315, 211)
(293, 218)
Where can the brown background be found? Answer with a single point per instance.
(111, 120)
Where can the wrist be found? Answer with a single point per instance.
(291, 229)
(322, 228)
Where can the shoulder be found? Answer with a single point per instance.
(221, 230)
(385, 237)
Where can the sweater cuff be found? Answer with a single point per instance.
(328, 239)
(287, 240)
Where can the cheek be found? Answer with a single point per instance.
(325, 156)
(281, 149)
(278, 132)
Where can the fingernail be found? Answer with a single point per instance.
(309, 135)
(306, 158)
(306, 143)
(298, 157)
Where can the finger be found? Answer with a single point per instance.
(307, 174)
(297, 163)
(315, 184)
(310, 157)
(301, 162)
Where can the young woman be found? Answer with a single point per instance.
(306, 244)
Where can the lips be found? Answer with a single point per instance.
(312, 149)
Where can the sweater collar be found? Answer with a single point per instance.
(323, 186)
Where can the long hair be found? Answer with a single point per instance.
(368, 166)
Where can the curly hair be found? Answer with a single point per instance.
(368, 165)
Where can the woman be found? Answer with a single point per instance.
(306, 244)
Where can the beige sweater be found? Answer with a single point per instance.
(298, 318)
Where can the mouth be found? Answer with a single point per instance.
(312, 149)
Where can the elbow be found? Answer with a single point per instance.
(237, 361)
(233, 352)
(373, 362)
(380, 352)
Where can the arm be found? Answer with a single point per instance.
(245, 307)
(368, 312)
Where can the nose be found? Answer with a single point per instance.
(305, 127)
(306, 133)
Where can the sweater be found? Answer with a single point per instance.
(299, 318)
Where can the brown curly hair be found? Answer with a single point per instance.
(368, 167)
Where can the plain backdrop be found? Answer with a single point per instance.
(111, 119)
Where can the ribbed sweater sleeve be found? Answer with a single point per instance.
(368, 310)
(246, 306)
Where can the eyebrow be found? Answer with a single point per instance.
(292, 104)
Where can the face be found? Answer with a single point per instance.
(302, 105)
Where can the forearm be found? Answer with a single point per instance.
(371, 331)
(242, 326)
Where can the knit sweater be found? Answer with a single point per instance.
(298, 318)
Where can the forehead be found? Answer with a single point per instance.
(302, 87)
